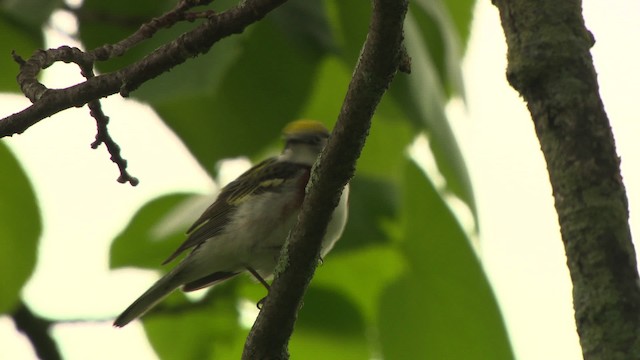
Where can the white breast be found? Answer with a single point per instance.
(258, 232)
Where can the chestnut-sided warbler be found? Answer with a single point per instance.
(247, 225)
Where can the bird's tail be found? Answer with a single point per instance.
(149, 299)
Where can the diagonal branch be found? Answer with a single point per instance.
(148, 30)
(198, 41)
(379, 61)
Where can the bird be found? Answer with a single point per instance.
(246, 226)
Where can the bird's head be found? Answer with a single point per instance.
(304, 140)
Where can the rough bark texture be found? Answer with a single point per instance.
(550, 65)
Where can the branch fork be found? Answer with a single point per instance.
(47, 102)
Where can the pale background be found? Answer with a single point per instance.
(520, 244)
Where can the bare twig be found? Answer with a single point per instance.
(47, 102)
(148, 30)
(103, 137)
(379, 61)
(193, 43)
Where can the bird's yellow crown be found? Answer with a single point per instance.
(304, 127)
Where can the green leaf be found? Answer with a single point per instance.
(200, 76)
(422, 98)
(350, 21)
(329, 89)
(21, 38)
(443, 41)
(361, 275)
(31, 13)
(264, 89)
(326, 310)
(20, 228)
(145, 234)
(208, 329)
(443, 307)
(385, 151)
(330, 326)
(306, 23)
(461, 12)
(372, 202)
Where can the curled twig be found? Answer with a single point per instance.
(42, 59)
(193, 43)
(47, 102)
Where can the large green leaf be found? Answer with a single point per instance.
(372, 202)
(20, 227)
(443, 307)
(329, 89)
(31, 13)
(422, 98)
(350, 19)
(461, 12)
(361, 275)
(385, 151)
(330, 326)
(145, 243)
(306, 23)
(443, 41)
(207, 329)
(263, 90)
(22, 38)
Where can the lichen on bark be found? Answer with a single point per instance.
(551, 66)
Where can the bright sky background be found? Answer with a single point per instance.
(520, 243)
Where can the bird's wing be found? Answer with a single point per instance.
(263, 177)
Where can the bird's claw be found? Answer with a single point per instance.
(260, 303)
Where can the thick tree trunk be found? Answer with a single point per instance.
(550, 65)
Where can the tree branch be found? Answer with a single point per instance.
(47, 102)
(380, 59)
(550, 65)
(103, 137)
(36, 330)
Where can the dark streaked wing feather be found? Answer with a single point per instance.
(208, 280)
(212, 222)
